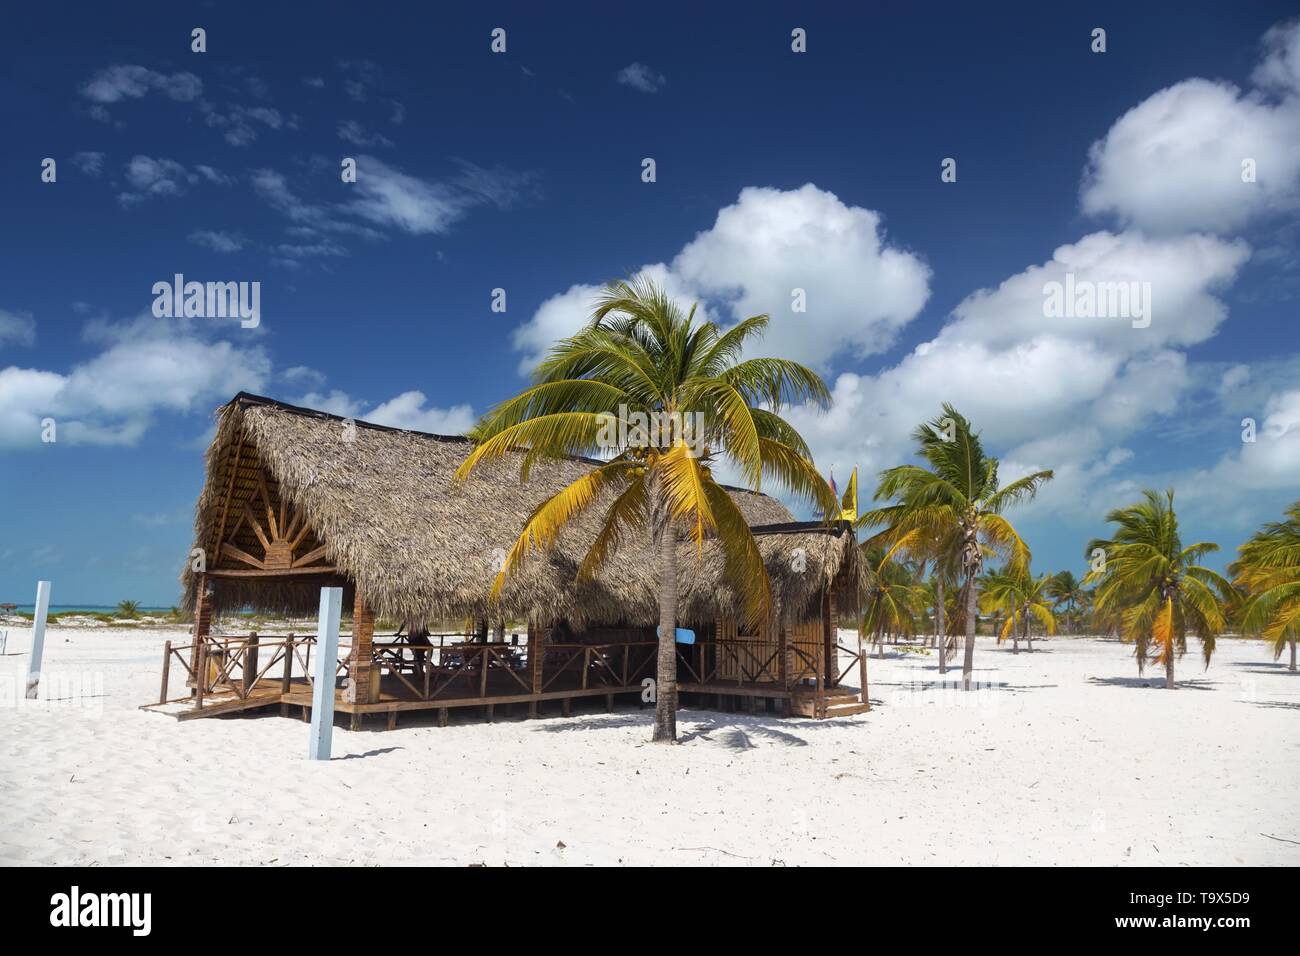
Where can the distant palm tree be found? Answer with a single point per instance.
(955, 500)
(1268, 568)
(894, 598)
(642, 358)
(1022, 597)
(1065, 588)
(128, 609)
(1153, 587)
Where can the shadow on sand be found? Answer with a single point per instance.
(1155, 682)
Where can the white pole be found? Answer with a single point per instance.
(327, 655)
(38, 638)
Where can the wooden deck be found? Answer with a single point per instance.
(252, 673)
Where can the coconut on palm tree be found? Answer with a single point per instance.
(1023, 598)
(956, 500)
(641, 359)
(1268, 568)
(1153, 586)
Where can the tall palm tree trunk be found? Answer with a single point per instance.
(968, 660)
(1169, 668)
(1029, 637)
(666, 664)
(1015, 634)
(1292, 667)
(941, 626)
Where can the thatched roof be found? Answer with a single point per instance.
(383, 506)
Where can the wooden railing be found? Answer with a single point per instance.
(236, 664)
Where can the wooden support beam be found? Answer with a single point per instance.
(167, 666)
(363, 680)
(202, 626)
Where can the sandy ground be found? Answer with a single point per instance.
(1063, 756)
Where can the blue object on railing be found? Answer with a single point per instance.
(685, 636)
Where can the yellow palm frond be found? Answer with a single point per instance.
(549, 519)
(684, 481)
(742, 559)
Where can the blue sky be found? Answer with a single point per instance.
(522, 171)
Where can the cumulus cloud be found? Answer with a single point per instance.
(1051, 393)
(641, 77)
(1175, 161)
(1271, 461)
(858, 289)
(145, 368)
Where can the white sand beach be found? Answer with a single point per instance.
(1066, 757)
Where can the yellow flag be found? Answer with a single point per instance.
(849, 503)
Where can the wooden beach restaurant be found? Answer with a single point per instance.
(296, 499)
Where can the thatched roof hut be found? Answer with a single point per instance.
(297, 498)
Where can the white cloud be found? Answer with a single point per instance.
(17, 327)
(1049, 393)
(859, 290)
(1183, 273)
(152, 178)
(407, 410)
(1279, 69)
(147, 367)
(217, 241)
(387, 196)
(1174, 162)
(1273, 459)
(89, 162)
(350, 131)
(125, 81)
(641, 77)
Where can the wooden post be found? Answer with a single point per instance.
(363, 687)
(783, 656)
(249, 679)
(201, 673)
(327, 653)
(202, 627)
(167, 666)
(38, 638)
(535, 654)
(286, 681)
(392, 720)
(829, 638)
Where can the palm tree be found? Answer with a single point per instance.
(642, 359)
(1153, 586)
(956, 500)
(1065, 588)
(128, 608)
(894, 600)
(1023, 597)
(1269, 570)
